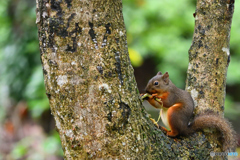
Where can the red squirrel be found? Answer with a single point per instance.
(177, 109)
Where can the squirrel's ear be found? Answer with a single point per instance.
(159, 73)
(166, 77)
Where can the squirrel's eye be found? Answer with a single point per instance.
(156, 83)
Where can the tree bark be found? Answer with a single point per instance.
(209, 55)
(92, 90)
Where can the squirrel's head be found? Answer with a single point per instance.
(158, 84)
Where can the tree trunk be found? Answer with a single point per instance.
(92, 90)
(209, 54)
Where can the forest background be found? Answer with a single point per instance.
(159, 34)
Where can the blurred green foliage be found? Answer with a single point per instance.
(39, 150)
(20, 66)
(162, 29)
(165, 29)
(159, 29)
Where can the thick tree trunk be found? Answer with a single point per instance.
(91, 88)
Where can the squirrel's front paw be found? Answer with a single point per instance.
(145, 96)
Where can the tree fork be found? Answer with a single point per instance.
(92, 90)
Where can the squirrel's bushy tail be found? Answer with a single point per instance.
(209, 119)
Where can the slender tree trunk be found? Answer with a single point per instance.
(91, 88)
(209, 55)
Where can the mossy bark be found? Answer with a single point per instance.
(92, 90)
(209, 55)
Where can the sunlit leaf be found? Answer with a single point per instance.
(135, 57)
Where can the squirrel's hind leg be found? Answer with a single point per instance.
(173, 120)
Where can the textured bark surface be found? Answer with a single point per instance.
(209, 54)
(92, 90)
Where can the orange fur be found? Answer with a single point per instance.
(173, 132)
(164, 129)
(164, 95)
(154, 103)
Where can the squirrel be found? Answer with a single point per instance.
(177, 110)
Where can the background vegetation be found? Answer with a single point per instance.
(159, 36)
